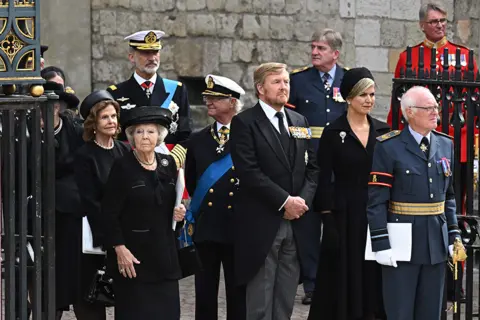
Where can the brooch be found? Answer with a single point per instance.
(343, 134)
(164, 162)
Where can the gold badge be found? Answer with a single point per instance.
(69, 90)
(423, 147)
(210, 83)
(190, 230)
(374, 178)
(150, 38)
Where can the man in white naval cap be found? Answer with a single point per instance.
(212, 182)
(146, 88)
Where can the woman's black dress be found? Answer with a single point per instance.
(92, 167)
(68, 214)
(138, 207)
(347, 287)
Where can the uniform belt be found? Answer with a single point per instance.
(417, 209)
(316, 132)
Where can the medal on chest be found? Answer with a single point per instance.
(222, 140)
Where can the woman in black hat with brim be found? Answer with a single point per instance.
(348, 287)
(138, 207)
(92, 167)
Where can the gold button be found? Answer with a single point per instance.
(233, 167)
(232, 180)
(210, 204)
(211, 190)
(231, 194)
(229, 207)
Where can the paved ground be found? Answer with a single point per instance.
(187, 300)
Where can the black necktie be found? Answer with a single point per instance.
(284, 138)
(425, 146)
(326, 77)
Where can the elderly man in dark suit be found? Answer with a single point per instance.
(274, 160)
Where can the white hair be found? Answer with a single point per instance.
(409, 98)
(162, 133)
(238, 105)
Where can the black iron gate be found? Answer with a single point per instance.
(456, 89)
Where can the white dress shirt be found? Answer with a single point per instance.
(270, 113)
(219, 126)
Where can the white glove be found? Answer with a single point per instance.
(450, 250)
(385, 257)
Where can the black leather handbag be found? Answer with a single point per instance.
(101, 289)
(189, 259)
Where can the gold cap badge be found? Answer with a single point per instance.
(210, 83)
(150, 38)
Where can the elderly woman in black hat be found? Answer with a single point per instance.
(139, 209)
(68, 219)
(92, 167)
(348, 287)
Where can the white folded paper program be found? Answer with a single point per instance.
(87, 239)
(179, 189)
(400, 236)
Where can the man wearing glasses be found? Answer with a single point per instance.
(411, 183)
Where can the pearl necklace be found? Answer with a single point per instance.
(142, 162)
(102, 146)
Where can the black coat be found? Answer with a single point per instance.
(138, 208)
(214, 222)
(267, 178)
(130, 92)
(347, 286)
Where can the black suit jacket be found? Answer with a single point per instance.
(130, 92)
(267, 178)
(214, 222)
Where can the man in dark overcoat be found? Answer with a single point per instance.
(274, 160)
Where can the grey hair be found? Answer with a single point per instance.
(409, 99)
(238, 105)
(162, 133)
(425, 8)
(330, 36)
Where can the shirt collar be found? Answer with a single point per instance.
(269, 111)
(220, 125)
(331, 72)
(430, 44)
(141, 80)
(417, 136)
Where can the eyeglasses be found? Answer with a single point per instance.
(437, 21)
(430, 109)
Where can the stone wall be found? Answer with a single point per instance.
(232, 37)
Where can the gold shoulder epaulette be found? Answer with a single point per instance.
(179, 153)
(386, 136)
(113, 87)
(443, 134)
(180, 84)
(299, 70)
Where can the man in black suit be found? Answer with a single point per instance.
(146, 88)
(274, 160)
(213, 184)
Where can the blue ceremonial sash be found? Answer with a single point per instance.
(210, 176)
(170, 87)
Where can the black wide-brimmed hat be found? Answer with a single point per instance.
(147, 114)
(64, 94)
(92, 99)
(351, 78)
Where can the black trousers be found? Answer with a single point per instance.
(213, 255)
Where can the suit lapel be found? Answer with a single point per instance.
(159, 94)
(411, 145)
(267, 129)
(294, 119)
(315, 79)
(338, 77)
(433, 146)
(137, 94)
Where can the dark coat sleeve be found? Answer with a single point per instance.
(190, 168)
(307, 192)
(112, 204)
(324, 195)
(248, 169)
(90, 194)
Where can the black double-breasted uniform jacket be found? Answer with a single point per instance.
(138, 211)
(267, 177)
(214, 218)
(130, 93)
